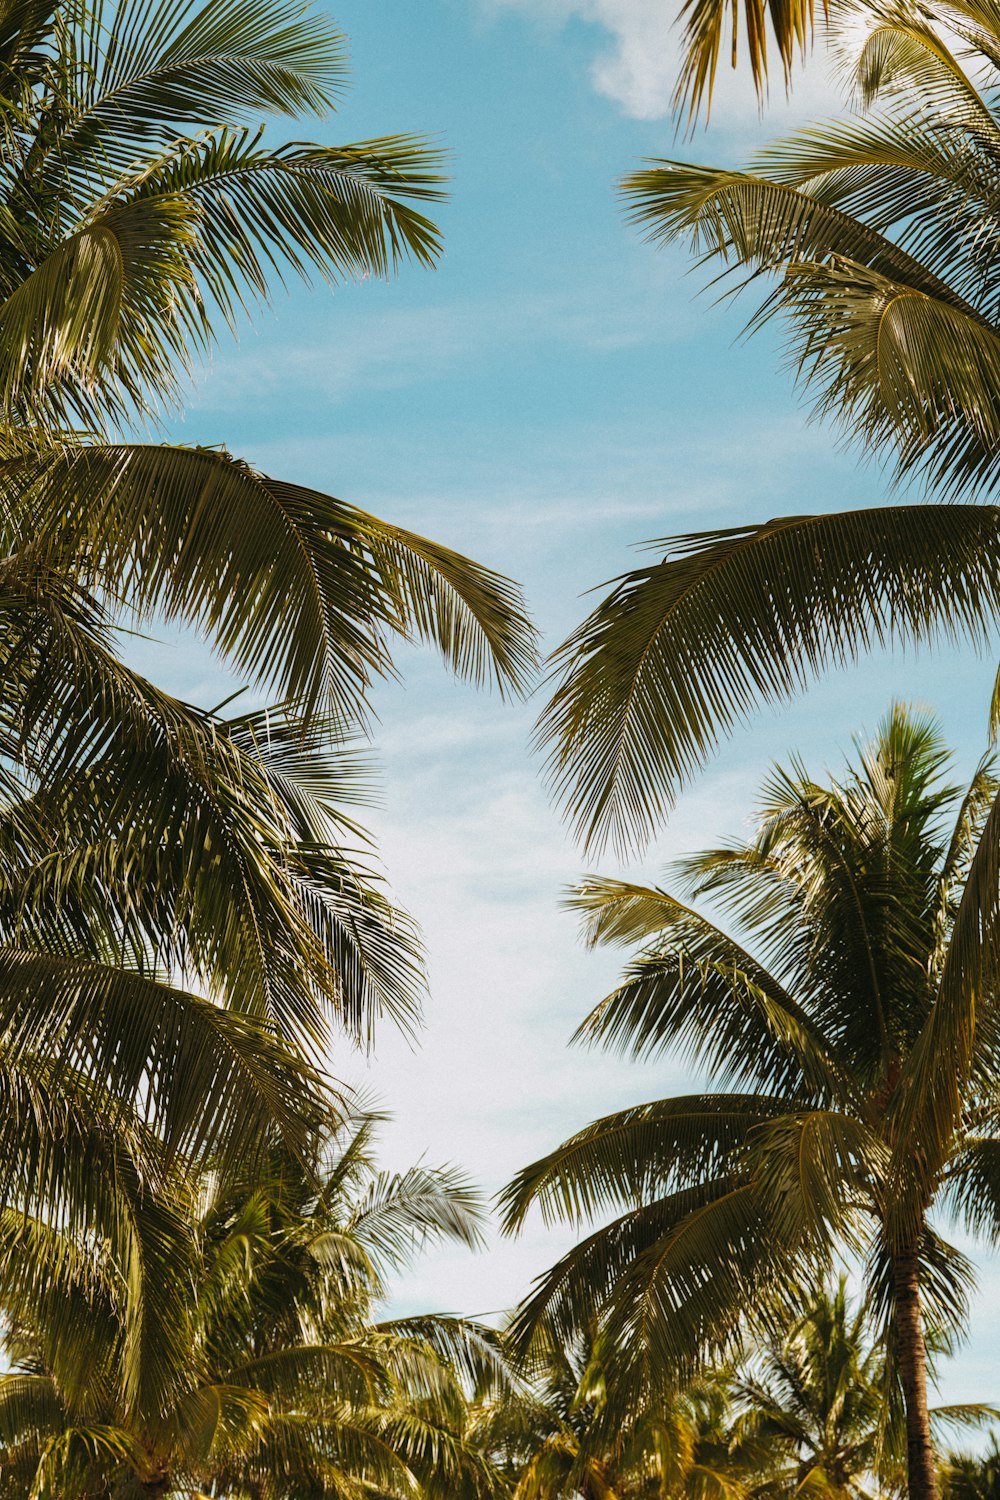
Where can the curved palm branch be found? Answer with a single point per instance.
(893, 319)
(644, 1151)
(207, 1078)
(116, 210)
(299, 590)
(684, 649)
(152, 832)
(399, 1211)
(856, 222)
(690, 970)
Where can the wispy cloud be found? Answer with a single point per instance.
(389, 347)
(479, 856)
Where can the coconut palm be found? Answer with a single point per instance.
(860, 1037)
(821, 1401)
(140, 208)
(821, 1398)
(571, 1428)
(875, 237)
(275, 1376)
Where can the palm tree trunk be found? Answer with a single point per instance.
(911, 1352)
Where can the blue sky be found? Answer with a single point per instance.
(554, 393)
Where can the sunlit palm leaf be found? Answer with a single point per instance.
(691, 970)
(684, 649)
(299, 590)
(786, 27)
(638, 1153)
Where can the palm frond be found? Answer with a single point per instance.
(400, 1211)
(207, 1078)
(788, 27)
(638, 1154)
(297, 589)
(684, 649)
(696, 988)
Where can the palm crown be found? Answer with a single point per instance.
(861, 1026)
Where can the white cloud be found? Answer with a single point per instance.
(637, 64)
(478, 855)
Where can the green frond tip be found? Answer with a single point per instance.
(713, 27)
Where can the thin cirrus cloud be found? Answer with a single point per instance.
(390, 349)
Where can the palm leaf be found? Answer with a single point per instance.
(207, 1078)
(683, 649)
(790, 27)
(638, 1154)
(299, 590)
(693, 986)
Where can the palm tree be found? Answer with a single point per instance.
(275, 1376)
(139, 207)
(876, 238)
(857, 1042)
(572, 1429)
(821, 1398)
(185, 904)
(820, 1404)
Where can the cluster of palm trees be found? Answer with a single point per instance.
(195, 1241)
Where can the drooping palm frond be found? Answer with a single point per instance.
(205, 1077)
(786, 28)
(131, 173)
(684, 649)
(144, 831)
(121, 304)
(472, 1351)
(344, 212)
(892, 313)
(299, 590)
(637, 1153)
(876, 238)
(667, 1280)
(399, 1211)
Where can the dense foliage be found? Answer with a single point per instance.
(874, 238)
(195, 1242)
(269, 1373)
(189, 913)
